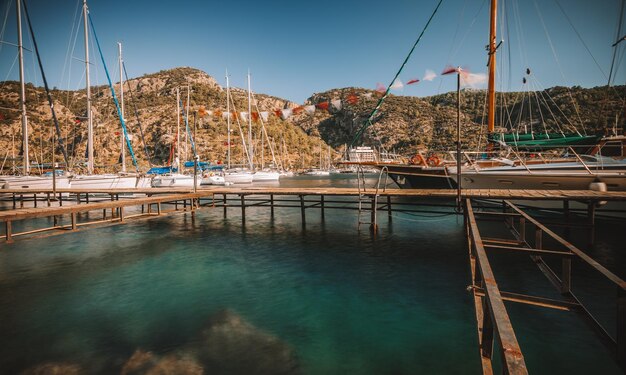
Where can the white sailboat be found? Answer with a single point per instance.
(176, 179)
(234, 176)
(26, 181)
(91, 180)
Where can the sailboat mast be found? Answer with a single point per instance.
(491, 92)
(20, 49)
(178, 129)
(90, 161)
(119, 47)
(228, 118)
(250, 125)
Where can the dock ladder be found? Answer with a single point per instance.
(373, 198)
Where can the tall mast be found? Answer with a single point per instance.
(228, 118)
(491, 100)
(187, 122)
(119, 47)
(20, 51)
(250, 125)
(178, 129)
(90, 161)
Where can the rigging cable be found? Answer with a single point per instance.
(45, 83)
(569, 92)
(368, 122)
(117, 105)
(132, 99)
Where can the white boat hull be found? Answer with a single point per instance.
(238, 177)
(175, 180)
(565, 180)
(265, 176)
(33, 182)
(103, 182)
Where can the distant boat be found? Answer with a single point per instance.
(265, 175)
(317, 172)
(175, 180)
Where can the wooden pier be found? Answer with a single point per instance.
(493, 324)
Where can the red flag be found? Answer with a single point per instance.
(117, 133)
(217, 113)
(278, 112)
(322, 105)
(412, 81)
(352, 98)
(297, 110)
(255, 116)
(449, 70)
(77, 120)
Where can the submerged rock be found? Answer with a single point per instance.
(147, 363)
(230, 345)
(54, 368)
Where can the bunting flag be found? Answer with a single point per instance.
(449, 70)
(367, 95)
(322, 105)
(255, 116)
(286, 113)
(310, 109)
(297, 110)
(226, 115)
(244, 116)
(352, 98)
(412, 81)
(209, 112)
(265, 115)
(337, 104)
(278, 112)
(429, 75)
(217, 113)
(397, 85)
(380, 88)
(201, 111)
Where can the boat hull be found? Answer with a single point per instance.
(103, 182)
(177, 180)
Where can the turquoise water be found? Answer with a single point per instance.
(345, 302)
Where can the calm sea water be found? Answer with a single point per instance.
(347, 303)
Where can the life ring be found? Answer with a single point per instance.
(433, 161)
(417, 159)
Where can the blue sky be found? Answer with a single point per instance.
(294, 49)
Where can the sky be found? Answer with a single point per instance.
(294, 49)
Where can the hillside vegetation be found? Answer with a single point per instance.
(404, 124)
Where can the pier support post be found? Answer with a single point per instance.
(389, 207)
(522, 228)
(35, 200)
(158, 208)
(121, 214)
(60, 199)
(9, 231)
(104, 214)
(272, 205)
(621, 327)
(302, 208)
(243, 208)
(21, 200)
(86, 197)
(225, 205)
(14, 202)
(591, 219)
(322, 206)
(48, 199)
(112, 209)
(566, 275)
(74, 226)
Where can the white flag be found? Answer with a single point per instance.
(310, 109)
(429, 75)
(244, 116)
(264, 115)
(336, 103)
(397, 85)
(286, 113)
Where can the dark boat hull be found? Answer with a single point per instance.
(408, 176)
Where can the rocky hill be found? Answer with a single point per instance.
(404, 124)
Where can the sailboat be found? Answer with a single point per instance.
(493, 172)
(27, 181)
(232, 175)
(173, 178)
(92, 180)
(587, 171)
